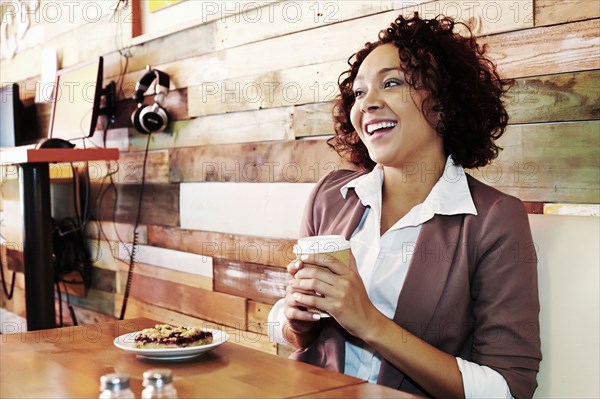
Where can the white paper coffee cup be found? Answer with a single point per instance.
(335, 246)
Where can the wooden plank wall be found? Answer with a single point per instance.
(250, 106)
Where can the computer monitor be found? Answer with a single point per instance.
(11, 116)
(77, 100)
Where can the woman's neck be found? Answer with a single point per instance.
(407, 186)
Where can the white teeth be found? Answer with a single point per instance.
(380, 125)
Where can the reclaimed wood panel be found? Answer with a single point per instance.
(237, 336)
(297, 161)
(313, 120)
(115, 138)
(546, 50)
(12, 256)
(87, 42)
(12, 265)
(483, 17)
(237, 248)
(285, 350)
(10, 190)
(83, 315)
(555, 162)
(278, 19)
(50, 20)
(263, 125)
(253, 281)
(116, 232)
(186, 14)
(338, 42)
(256, 209)
(105, 254)
(572, 209)
(250, 25)
(534, 208)
(224, 60)
(160, 273)
(130, 167)
(97, 300)
(160, 203)
(293, 86)
(12, 222)
(208, 305)
(185, 262)
(258, 314)
(101, 279)
(73, 285)
(550, 12)
(240, 28)
(555, 98)
(16, 304)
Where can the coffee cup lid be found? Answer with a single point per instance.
(321, 244)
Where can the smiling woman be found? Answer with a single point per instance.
(387, 113)
(462, 93)
(440, 297)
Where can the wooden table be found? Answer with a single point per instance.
(68, 362)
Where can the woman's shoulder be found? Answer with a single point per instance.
(328, 188)
(489, 200)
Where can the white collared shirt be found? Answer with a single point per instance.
(383, 261)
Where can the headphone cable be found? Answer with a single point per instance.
(135, 234)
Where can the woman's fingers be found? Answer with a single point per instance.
(294, 266)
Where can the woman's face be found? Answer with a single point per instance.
(387, 113)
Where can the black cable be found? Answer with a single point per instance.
(9, 294)
(71, 310)
(86, 209)
(135, 234)
(60, 313)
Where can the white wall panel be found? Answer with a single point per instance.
(170, 259)
(569, 285)
(256, 209)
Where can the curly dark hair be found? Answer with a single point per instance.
(462, 89)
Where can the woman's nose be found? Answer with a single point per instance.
(371, 101)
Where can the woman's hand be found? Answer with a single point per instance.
(341, 293)
(300, 322)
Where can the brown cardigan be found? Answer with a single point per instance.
(471, 288)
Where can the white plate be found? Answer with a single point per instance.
(125, 342)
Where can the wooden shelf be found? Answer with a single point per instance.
(26, 154)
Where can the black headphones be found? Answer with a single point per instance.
(151, 118)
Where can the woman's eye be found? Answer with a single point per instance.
(358, 93)
(391, 83)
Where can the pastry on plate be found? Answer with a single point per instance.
(167, 336)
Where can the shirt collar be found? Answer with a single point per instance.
(449, 196)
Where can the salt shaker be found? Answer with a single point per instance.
(158, 384)
(115, 386)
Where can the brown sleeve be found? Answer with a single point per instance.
(506, 303)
